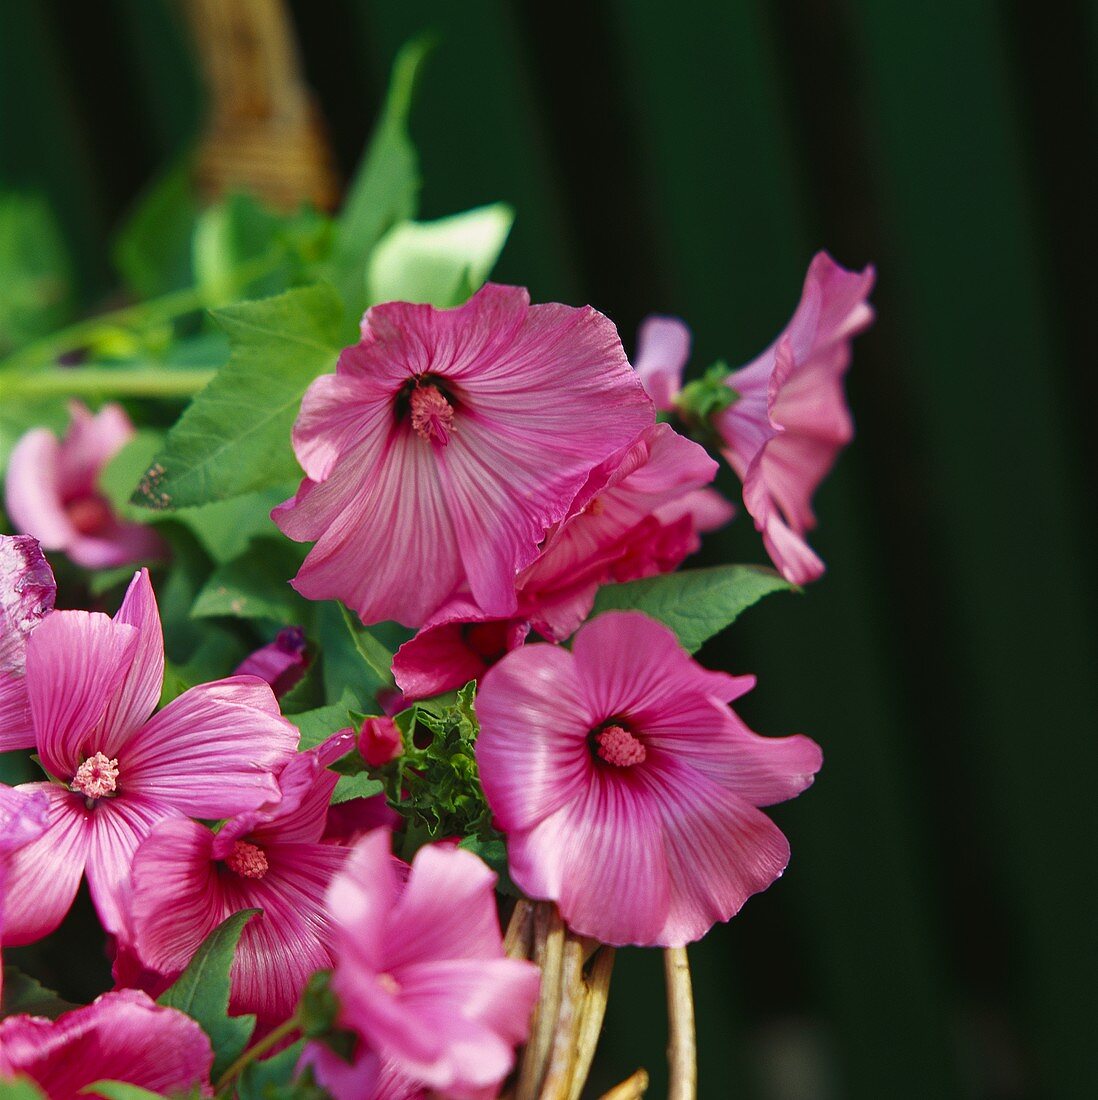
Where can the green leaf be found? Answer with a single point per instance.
(255, 586)
(355, 786)
(153, 250)
(227, 235)
(316, 725)
(227, 527)
(20, 1088)
(34, 271)
(119, 478)
(378, 659)
(260, 1079)
(24, 995)
(696, 603)
(120, 1090)
(385, 189)
(440, 262)
(492, 848)
(235, 436)
(202, 992)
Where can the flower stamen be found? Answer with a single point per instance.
(617, 746)
(97, 777)
(247, 860)
(432, 414)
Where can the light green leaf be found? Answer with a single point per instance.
(226, 527)
(24, 995)
(202, 992)
(696, 603)
(255, 586)
(317, 725)
(355, 786)
(270, 1074)
(235, 436)
(120, 476)
(20, 1088)
(385, 189)
(440, 262)
(377, 657)
(120, 1090)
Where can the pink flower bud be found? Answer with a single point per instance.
(380, 741)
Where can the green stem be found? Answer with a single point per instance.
(254, 1053)
(98, 381)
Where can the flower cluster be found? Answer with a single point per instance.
(304, 785)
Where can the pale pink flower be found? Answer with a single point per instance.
(52, 491)
(93, 684)
(121, 1036)
(663, 347)
(22, 819)
(366, 1077)
(638, 514)
(282, 663)
(790, 420)
(27, 591)
(627, 787)
(420, 972)
(186, 880)
(445, 446)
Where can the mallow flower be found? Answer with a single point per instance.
(628, 789)
(282, 662)
(186, 880)
(27, 592)
(117, 769)
(122, 1036)
(421, 975)
(445, 446)
(638, 514)
(52, 491)
(782, 419)
(22, 819)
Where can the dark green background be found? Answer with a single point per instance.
(934, 935)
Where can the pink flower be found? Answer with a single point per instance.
(187, 880)
(22, 819)
(282, 663)
(663, 347)
(122, 1036)
(52, 491)
(93, 683)
(626, 786)
(27, 591)
(447, 443)
(637, 515)
(785, 429)
(379, 741)
(367, 1077)
(420, 973)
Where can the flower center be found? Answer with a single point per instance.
(97, 777)
(432, 414)
(389, 984)
(89, 515)
(619, 747)
(247, 860)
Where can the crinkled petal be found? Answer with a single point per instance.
(532, 747)
(214, 751)
(43, 876)
(76, 663)
(663, 347)
(122, 1036)
(27, 592)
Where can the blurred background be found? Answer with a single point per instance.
(935, 933)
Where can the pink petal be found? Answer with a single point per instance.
(663, 347)
(90, 443)
(76, 663)
(116, 543)
(708, 510)
(16, 725)
(532, 748)
(27, 592)
(32, 489)
(360, 898)
(122, 1036)
(282, 663)
(24, 816)
(43, 876)
(212, 752)
(140, 691)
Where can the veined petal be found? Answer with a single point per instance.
(32, 490)
(359, 900)
(214, 751)
(663, 347)
(27, 591)
(16, 725)
(43, 876)
(76, 663)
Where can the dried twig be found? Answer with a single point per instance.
(632, 1088)
(573, 991)
(681, 1046)
(519, 938)
(548, 953)
(594, 1010)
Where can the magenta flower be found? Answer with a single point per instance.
(27, 591)
(637, 515)
(282, 663)
(627, 787)
(118, 769)
(447, 443)
(52, 491)
(790, 419)
(121, 1036)
(663, 347)
(22, 819)
(420, 972)
(187, 880)
(379, 741)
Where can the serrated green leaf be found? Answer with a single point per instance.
(385, 189)
(355, 786)
(259, 1078)
(255, 586)
(120, 1090)
(24, 995)
(234, 438)
(696, 603)
(440, 262)
(202, 992)
(119, 478)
